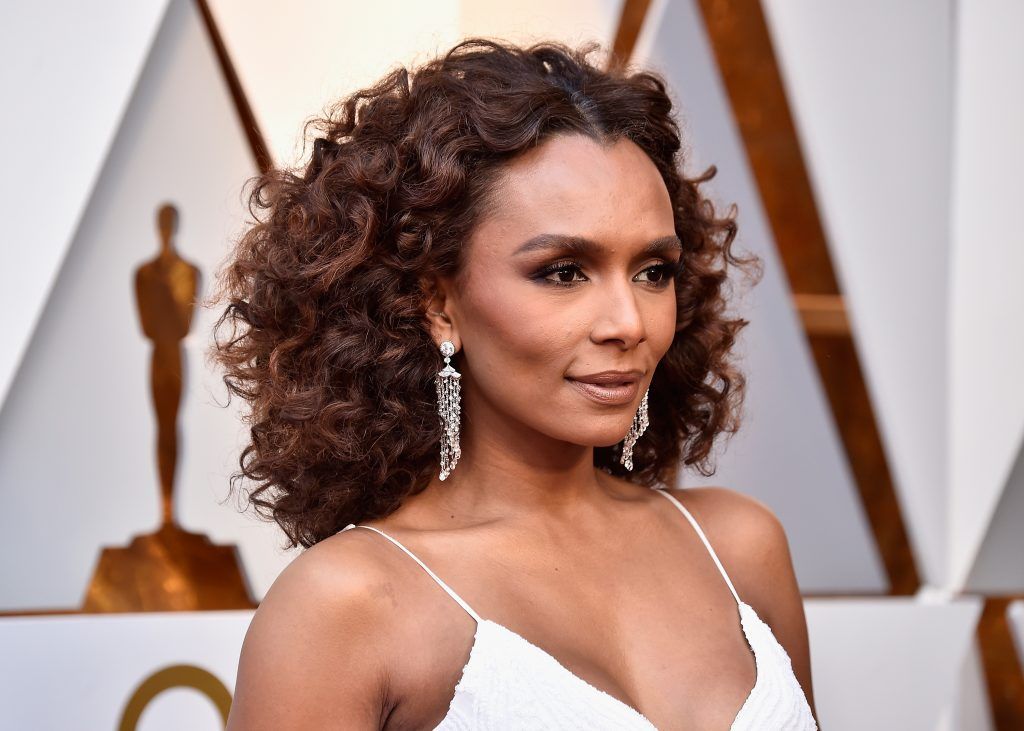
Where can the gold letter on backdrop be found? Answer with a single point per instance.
(176, 676)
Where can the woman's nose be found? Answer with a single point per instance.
(618, 316)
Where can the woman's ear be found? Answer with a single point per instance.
(440, 316)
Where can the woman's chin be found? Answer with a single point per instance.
(600, 439)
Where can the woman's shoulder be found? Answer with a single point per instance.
(748, 538)
(344, 572)
(316, 646)
(740, 519)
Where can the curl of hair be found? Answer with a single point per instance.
(327, 288)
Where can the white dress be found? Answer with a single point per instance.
(509, 683)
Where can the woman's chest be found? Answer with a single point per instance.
(689, 668)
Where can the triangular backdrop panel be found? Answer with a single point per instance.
(999, 563)
(878, 158)
(987, 348)
(292, 62)
(87, 475)
(320, 54)
(570, 21)
(57, 138)
(788, 452)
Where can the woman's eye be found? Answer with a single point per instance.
(661, 274)
(564, 273)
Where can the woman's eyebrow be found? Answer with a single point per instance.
(581, 245)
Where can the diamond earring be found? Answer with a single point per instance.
(636, 429)
(449, 408)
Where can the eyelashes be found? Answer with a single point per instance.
(666, 272)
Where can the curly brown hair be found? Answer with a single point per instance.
(329, 343)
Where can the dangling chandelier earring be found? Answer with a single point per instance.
(449, 407)
(636, 429)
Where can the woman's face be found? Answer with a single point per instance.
(570, 275)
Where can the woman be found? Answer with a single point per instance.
(481, 325)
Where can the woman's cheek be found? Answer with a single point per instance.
(663, 329)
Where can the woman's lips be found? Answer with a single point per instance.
(614, 394)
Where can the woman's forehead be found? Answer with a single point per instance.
(574, 185)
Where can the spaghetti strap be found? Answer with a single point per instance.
(462, 603)
(704, 538)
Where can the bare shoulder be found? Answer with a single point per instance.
(739, 527)
(752, 544)
(315, 653)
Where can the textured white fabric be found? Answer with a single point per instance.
(509, 683)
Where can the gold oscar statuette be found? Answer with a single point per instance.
(170, 569)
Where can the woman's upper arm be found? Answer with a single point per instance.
(315, 653)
